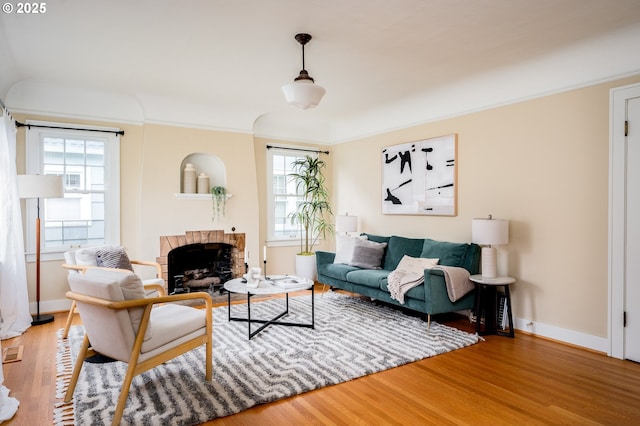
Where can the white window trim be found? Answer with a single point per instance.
(112, 178)
(272, 240)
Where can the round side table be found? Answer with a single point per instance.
(486, 303)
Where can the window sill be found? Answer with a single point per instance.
(45, 257)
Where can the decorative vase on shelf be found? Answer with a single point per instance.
(203, 183)
(189, 179)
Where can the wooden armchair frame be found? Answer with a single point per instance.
(134, 367)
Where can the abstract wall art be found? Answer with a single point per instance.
(420, 177)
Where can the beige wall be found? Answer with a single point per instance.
(543, 165)
(162, 213)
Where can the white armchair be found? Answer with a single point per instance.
(121, 323)
(78, 261)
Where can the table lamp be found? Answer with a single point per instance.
(346, 223)
(489, 232)
(39, 186)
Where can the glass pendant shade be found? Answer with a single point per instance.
(303, 94)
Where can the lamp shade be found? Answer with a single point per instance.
(490, 231)
(303, 94)
(40, 186)
(346, 223)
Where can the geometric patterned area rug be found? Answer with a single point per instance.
(352, 338)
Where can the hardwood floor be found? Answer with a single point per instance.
(526, 380)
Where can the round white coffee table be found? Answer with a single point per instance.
(276, 284)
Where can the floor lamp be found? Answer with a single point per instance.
(39, 186)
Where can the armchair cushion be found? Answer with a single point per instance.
(115, 286)
(175, 321)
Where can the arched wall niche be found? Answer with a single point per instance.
(209, 164)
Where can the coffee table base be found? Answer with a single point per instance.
(274, 320)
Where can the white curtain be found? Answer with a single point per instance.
(14, 298)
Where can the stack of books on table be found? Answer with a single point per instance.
(286, 282)
(503, 312)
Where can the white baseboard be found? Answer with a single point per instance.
(49, 306)
(600, 344)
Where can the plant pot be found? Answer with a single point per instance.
(306, 266)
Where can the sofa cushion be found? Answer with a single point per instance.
(377, 238)
(336, 271)
(368, 277)
(400, 246)
(450, 254)
(368, 254)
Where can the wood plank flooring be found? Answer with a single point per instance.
(500, 381)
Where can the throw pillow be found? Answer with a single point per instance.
(345, 244)
(416, 264)
(87, 256)
(368, 254)
(114, 257)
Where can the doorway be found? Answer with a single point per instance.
(624, 223)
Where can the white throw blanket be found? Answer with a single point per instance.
(408, 274)
(457, 281)
(400, 282)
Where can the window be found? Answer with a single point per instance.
(281, 194)
(89, 213)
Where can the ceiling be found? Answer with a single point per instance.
(385, 64)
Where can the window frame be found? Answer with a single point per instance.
(34, 157)
(272, 238)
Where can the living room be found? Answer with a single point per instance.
(533, 149)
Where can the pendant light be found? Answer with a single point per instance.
(303, 92)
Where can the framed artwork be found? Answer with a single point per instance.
(420, 177)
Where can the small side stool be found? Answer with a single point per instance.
(486, 304)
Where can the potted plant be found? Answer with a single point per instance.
(312, 214)
(219, 200)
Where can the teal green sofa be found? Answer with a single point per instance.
(428, 298)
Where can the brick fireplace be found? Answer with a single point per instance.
(216, 242)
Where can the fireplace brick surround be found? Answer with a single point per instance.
(170, 242)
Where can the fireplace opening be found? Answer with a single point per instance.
(199, 267)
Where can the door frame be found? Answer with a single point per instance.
(617, 214)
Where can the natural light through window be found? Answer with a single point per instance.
(89, 161)
(282, 195)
